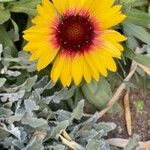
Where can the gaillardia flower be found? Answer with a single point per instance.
(75, 35)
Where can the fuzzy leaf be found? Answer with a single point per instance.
(133, 143)
(97, 93)
(97, 145)
(33, 121)
(2, 81)
(78, 111)
(4, 112)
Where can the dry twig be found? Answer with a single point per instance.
(66, 140)
(117, 94)
(145, 68)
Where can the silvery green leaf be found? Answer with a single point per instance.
(30, 106)
(23, 57)
(70, 92)
(12, 97)
(7, 53)
(89, 134)
(63, 94)
(106, 127)
(15, 118)
(35, 144)
(19, 144)
(58, 96)
(33, 121)
(78, 111)
(42, 82)
(46, 86)
(97, 145)
(28, 84)
(13, 73)
(2, 81)
(3, 70)
(19, 113)
(4, 112)
(25, 63)
(4, 134)
(58, 129)
(133, 143)
(63, 115)
(50, 85)
(57, 147)
(8, 142)
(12, 130)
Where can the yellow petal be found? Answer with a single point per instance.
(112, 35)
(46, 10)
(66, 76)
(77, 68)
(38, 20)
(30, 47)
(76, 4)
(46, 13)
(113, 20)
(108, 61)
(46, 59)
(36, 55)
(33, 46)
(61, 5)
(99, 62)
(57, 67)
(118, 46)
(49, 7)
(111, 49)
(86, 71)
(92, 65)
(35, 30)
(39, 52)
(97, 7)
(64, 6)
(34, 37)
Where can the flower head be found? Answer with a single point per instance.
(75, 35)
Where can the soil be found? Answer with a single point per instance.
(140, 120)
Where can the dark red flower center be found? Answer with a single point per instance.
(75, 33)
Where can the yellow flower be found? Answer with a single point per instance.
(76, 36)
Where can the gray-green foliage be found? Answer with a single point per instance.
(31, 120)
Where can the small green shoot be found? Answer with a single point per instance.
(139, 105)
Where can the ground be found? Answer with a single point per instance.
(140, 120)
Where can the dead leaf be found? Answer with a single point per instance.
(128, 112)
